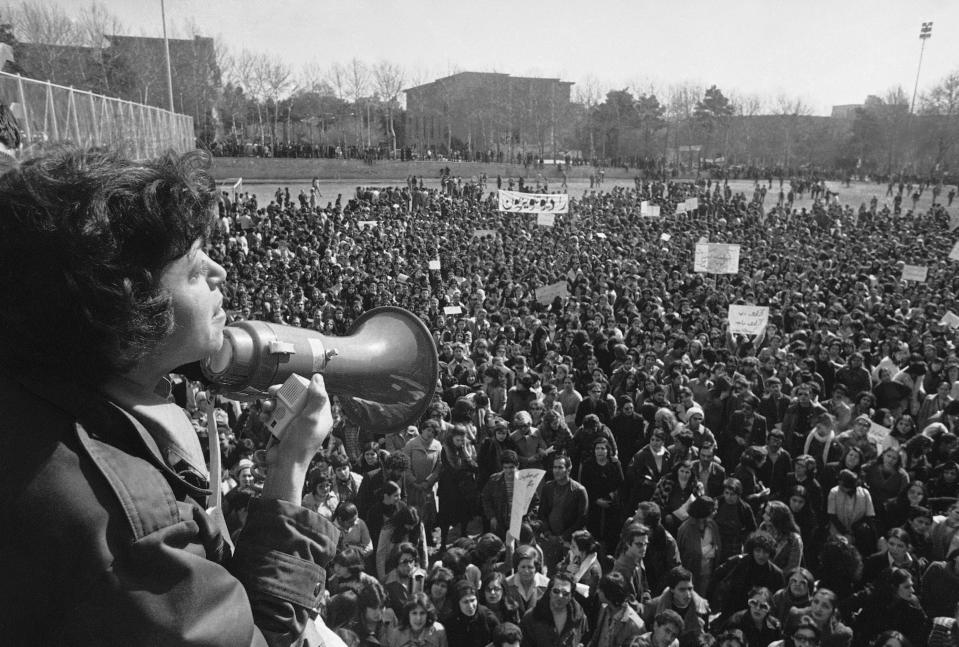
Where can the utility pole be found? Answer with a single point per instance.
(166, 47)
(925, 33)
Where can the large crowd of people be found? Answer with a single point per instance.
(796, 487)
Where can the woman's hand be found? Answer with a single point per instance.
(286, 462)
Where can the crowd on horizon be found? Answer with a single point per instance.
(798, 487)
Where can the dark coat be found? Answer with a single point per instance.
(114, 546)
(540, 631)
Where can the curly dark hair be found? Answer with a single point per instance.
(84, 239)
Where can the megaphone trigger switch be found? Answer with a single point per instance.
(290, 400)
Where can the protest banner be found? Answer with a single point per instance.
(516, 202)
(547, 293)
(524, 487)
(452, 310)
(654, 211)
(915, 273)
(950, 319)
(434, 264)
(367, 223)
(716, 258)
(692, 204)
(747, 320)
(644, 208)
(954, 254)
(545, 219)
(483, 233)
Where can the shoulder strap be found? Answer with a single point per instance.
(143, 493)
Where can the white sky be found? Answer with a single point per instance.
(825, 51)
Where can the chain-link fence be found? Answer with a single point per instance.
(53, 114)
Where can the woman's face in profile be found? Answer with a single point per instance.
(193, 281)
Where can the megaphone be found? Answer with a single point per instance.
(384, 371)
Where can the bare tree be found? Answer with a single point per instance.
(589, 93)
(790, 109)
(388, 79)
(941, 104)
(336, 77)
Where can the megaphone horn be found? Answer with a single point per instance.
(384, 371)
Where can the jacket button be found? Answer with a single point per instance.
(318, 589)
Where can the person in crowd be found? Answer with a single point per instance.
(664, 631)
(497, 494)
(733, 580)
(556, 619)
(405, 575)
(418, 625)
(353, 530)
(851, 513)
(472, 624)
(779, 523)
(437, 584)
(756, 622)
(680, 596)
(404, 527)
(424, 453)
(456, 484)
(889, 603)
(562, 510)
(646, 468)
(602, 476)
(800, 583)
(735, 520)
(527, 584)
(897, 554)
(823, 614)
(489, 459)
(617, 623)
(939, 587)
(699, 541)
(495, 598)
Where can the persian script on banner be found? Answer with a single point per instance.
(516, 202)
(524, 487)
(716, 258)
(747, 320)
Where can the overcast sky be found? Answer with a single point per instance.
(825, 51)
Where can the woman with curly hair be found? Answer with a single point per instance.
(700, 542)
(418, 625)
(840, 566)
(896, 511)
(885, 478)
(733, 580)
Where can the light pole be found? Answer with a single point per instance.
(166, 47)
(925, 33)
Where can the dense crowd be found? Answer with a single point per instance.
(797, 487)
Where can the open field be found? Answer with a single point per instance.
(855, 194)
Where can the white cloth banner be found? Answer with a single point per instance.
(524, 487)
(547, 293)
(915, 273)
(716, 258)
(747, 320)
(516, 202)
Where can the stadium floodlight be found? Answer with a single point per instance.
(925, 33)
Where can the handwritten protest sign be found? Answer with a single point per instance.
(664, 237)
(644, 207)
(547, 293)
(954, 254)
(950, 319)
(434, 264)
(915, 273)
(747, 320)
(367, 223)
(692, 204)
(483, 233)
(680, 207)
(515, 202)
(452, 310)
(402, 278)
(524, 487)
(545, 219)
(654, 211)
(716, 258)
